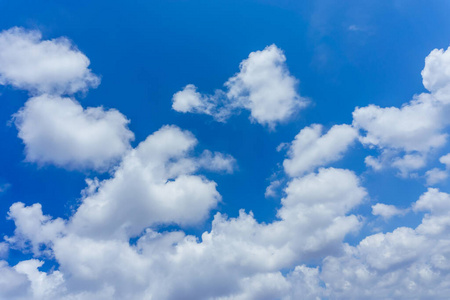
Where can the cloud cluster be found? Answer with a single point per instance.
(127, 240)
(406, 135)
(55, 129)
(263, 86)
(236, 252)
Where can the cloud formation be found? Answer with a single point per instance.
(57, 130)
(312, 149)
(43, 66)
(61, 132)
(264, 86)
(406, 135)
(127, 238)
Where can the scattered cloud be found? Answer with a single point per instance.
(387, 211)
(264, 86)
(61, 132)
(4, 187)
(127, 239)
(406, 135)
(437, 175)
(155, 184)
(217, 162)
(312, 149)
(43, 66)
(236, 251)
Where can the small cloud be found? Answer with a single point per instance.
(387, 211)
(271, 190)
(354, 28)
(4, 187)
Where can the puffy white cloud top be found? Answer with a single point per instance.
(264, 86)
(43, 66)
(60, 131)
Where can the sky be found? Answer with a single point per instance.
(224, 150)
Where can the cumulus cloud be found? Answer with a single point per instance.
(126, 238)
(312, 149)
(436, 74)
(387, 211)
(43, 66)
(54, 129)
(437, 175)
(33, 228)
(263, 86)
(414, 129)
(217, 162)
(60, 131)
(403, 264)
(238, 256)
(154, 184)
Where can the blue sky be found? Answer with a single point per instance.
(135, 124)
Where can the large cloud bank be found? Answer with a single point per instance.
(114, 246)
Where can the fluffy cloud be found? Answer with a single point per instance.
(125, 240)
(217, 162)
(263, 86)
(237, 257)
(311, 148)
(43, 66)
(437, 175)
(416, 126)
(404, 264)
(154, 184)
(436, 74)
(407, 134)
(33, 229)
(386, 211)
(59, 131)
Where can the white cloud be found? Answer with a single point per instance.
(445, 160)
(189, 100)
(154, 184)
(13, 285)
(373, 162)
(386, 211)
(312, 149)
(237, 257)
(271, 190)
(436, 73)
(263, 86)
(240, 258)
(4, 250)
(217, 162)
(33, 229)
(404, 264)
(414, 129)
(408, 163)
(43, 285)
(43, 66)
(59, 131)
(437, 175)
(416, 126)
